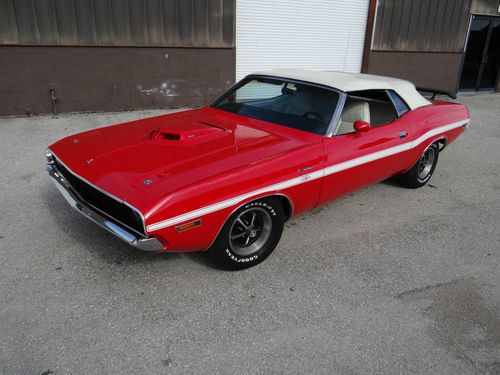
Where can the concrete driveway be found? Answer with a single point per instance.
(387, 280)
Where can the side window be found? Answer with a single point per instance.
(373, 106)
(355, 109)
(400, 105)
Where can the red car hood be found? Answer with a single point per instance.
(159, 155)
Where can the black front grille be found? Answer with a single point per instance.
(109, 206)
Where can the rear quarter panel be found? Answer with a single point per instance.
(440, 120)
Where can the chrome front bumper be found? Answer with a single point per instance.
(142, 243)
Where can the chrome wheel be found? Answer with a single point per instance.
(250, 231)
(425, 163)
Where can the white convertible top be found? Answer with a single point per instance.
(354, 82)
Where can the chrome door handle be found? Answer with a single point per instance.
(305, 169)
(402, 134)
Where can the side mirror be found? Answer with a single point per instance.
(361, 126)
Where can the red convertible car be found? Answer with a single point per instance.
(227, 176)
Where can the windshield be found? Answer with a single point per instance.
(292, 104)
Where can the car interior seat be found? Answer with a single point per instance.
(354, 110)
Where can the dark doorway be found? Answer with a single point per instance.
(481, 63)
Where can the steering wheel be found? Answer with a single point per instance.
(314, 116)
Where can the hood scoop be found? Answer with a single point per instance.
(168, 136)
(192, 133)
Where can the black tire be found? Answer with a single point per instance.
(249, 235)
(422, 170)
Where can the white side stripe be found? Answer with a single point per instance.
(367, 158)
(305, 178)
(231, 202)
(442, 129)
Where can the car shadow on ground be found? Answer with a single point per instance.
(102, 244)
(392, 181)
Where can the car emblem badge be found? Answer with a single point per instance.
(76, 140)
(89, 161)
(147, 182)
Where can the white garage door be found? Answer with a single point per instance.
(308, 34)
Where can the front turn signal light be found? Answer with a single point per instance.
(190, 225)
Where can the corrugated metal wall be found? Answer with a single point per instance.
(421, 25)
(485, 7)
(172, 23)
(426, 25)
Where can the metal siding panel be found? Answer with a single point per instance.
(421, 25)
(8, 26)
(66, 21)
(477, 7)
(485, 7)
(176, 23)
(413, 26)
(437, 42)
(460, 23)
(154, 24)
(425, 23)
(425, 42)
(26, 21)
(185, 15)
(325, 37)
(215, 21)
(170, 22)
(120, 12)
(228, 20)
(406, 12)
(379, 16)
(381, 25)
(47, 21)
(103, 22)
(462, 26)
(396, 26)
(447, 23)
(385, 34)
(200, 23)
(85, 22)
(440, 40)
(138, 31)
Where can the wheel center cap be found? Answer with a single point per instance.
(252, 233)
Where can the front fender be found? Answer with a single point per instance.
(213, 201)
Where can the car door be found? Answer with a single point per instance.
(356, 159)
